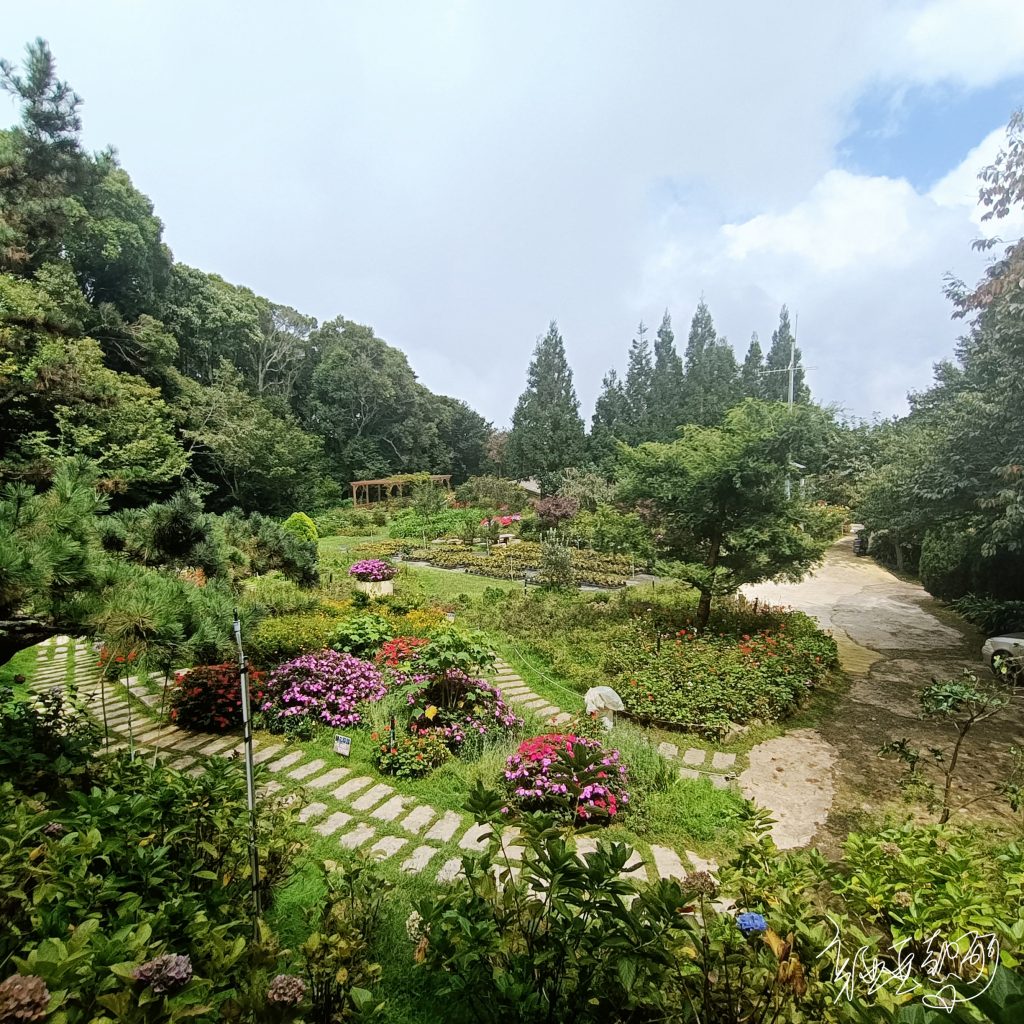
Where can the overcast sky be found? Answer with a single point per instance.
(456, 174)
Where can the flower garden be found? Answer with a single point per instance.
(573, 810)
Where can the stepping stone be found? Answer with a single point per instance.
(270, 788)
(667, 862)
(346, 789)
(547, 712)
(694, 756)
(328, 778)
(688, 773)
(387, 847)
(446, 827)
(359, 835)
(307, 769)
(285, 762)
(722, 761)
(509, 843)
(514, 689)
(668, 750)
(639, 873)
(586, 844)
(475, 837)
(700, 864)
(186, 741)
(392, 808)
(450, 870)
(313, 810)
(719, 781)
(418, 859)
(218, 746)
(416, 820)
(372, 797)
(266, 753)
(331, 825)
(562, 718)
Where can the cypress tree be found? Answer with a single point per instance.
(609, 423)
(777, 384)
(751, 381)
(547, 433)
(702, 338)
(639, 373)
(667, 384)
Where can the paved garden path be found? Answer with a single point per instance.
(893, 639)
(356, 811)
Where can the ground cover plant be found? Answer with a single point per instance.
(753, 662)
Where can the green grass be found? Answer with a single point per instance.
(446, 586)
(24, 664)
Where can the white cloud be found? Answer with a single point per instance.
(976, 42)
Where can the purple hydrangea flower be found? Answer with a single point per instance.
(166, 973)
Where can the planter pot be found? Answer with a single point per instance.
(378, 588)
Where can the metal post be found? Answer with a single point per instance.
(250, 786)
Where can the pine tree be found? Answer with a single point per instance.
(777, 383)
(639, 373)
(547, 433)
(667, 384)
(609, 423)
(751, 379)
(722, 382)
(702, 338)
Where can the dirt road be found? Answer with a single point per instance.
(893, 639)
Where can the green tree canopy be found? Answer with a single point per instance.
(667, 385)
(721, 515)
(547, 432)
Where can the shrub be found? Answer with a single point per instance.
(460, 708)
(277, 595)
(208, 698)
(412, 756)
(327, 688)
(556, 567)
(946, 565)
(553, 511)
(569, 775)
(301, 526)
(277, 639)
(401, 651)
(990, 615)
(361, 635)
(372, 570)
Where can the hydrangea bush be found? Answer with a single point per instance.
(372, 570)
(327, 687)
(568, 773)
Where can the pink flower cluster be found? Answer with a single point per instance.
(501, 520)
(327, 686)
(372, 570)
(561, 771)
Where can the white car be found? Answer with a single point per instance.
(1007, 649)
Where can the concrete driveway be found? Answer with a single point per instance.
(893, 639)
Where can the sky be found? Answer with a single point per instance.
(457, 174)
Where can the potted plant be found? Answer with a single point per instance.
(374, 577)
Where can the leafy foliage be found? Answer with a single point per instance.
(411, 756)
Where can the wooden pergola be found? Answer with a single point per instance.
(393, 486)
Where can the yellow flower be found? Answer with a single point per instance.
(430, 712)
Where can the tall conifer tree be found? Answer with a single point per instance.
(638, 388)
(609, 422)
(777, 383)
(751, 379)
(547, 433)
(667, 384)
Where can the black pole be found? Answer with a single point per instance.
(250, 786)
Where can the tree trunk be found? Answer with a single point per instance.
(703, 610)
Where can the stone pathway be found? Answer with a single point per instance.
(356, 811)
(516, 692)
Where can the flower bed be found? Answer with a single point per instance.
(705, 682)
(459, 706)
(372, 570)
(208, 698)
(412, 756)
(326, 688)
(569, 774)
